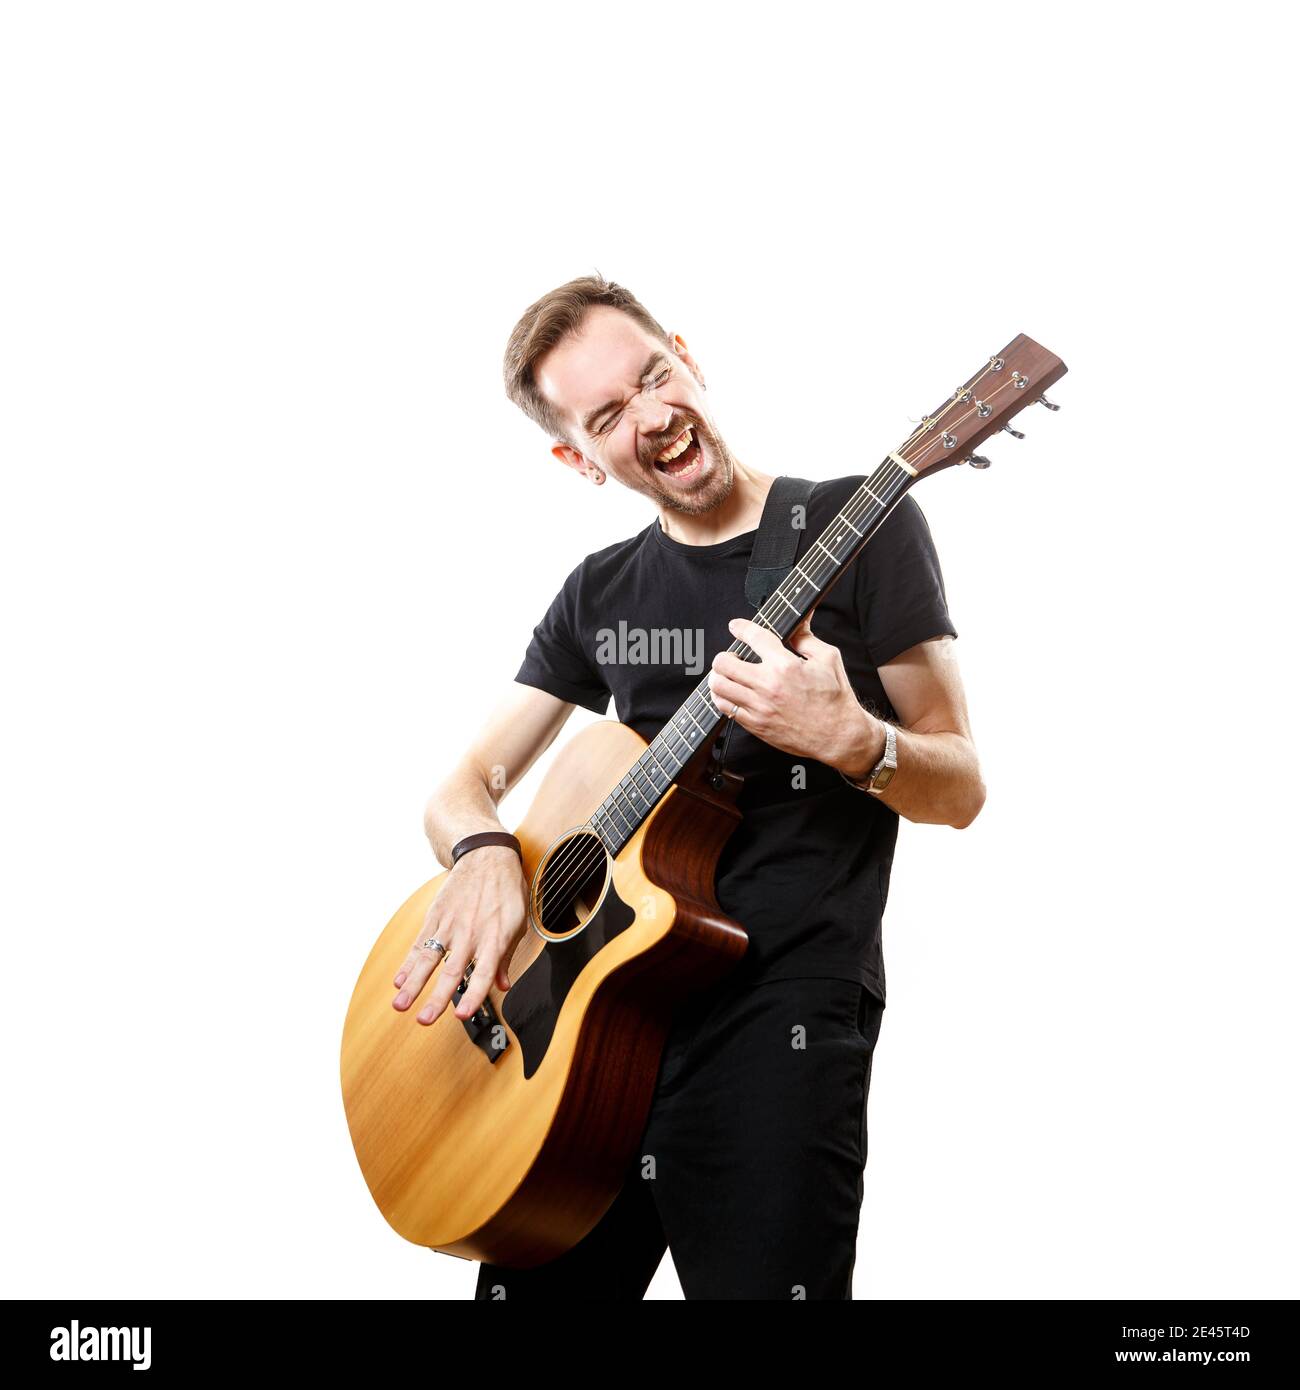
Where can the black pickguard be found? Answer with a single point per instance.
(532, 1004)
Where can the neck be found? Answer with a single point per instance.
(739, 512)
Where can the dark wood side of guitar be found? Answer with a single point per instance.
(606, 1103)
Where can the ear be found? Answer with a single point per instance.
(679, 347)
(580, 463)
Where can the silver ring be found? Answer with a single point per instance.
(433, 944)
(735, 710)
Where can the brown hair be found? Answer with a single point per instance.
(544, 324)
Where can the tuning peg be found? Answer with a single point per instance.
(978, 461)
(1042, 400)
(1015, 434)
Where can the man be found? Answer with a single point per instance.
(751, 1165)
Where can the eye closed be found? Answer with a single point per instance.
(654, 386)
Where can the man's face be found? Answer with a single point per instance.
(628, 398)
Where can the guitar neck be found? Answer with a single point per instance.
(650, 777)
(1002, 386)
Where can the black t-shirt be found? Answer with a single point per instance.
(806, 872)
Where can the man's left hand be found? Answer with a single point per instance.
(798, 699)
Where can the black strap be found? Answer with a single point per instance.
(777, 540)
(775, 547)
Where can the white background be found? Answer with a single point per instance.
(272, 537)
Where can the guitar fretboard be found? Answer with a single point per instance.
(644, 786)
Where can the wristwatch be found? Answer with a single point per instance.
(882, 774)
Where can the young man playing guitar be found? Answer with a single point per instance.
(751, 1165)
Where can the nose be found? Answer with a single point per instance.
(655, 415)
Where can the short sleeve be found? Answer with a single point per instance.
(901, 598)
(555, 662)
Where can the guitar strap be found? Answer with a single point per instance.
(777, 540)
(771, 559)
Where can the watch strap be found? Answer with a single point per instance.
(888, 759)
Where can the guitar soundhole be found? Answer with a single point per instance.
(569, 884)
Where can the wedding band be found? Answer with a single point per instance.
(735, 710)
(433, 944)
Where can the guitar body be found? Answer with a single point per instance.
(511, 1155)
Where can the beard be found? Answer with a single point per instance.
(709, 489)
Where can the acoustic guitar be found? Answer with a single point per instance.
(506, 1136)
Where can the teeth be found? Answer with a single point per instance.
(682, 443)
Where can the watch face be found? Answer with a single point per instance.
(883, 778)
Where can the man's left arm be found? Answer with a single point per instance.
(799, 699)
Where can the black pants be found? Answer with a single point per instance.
(751, 1165)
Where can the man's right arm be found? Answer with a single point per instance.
(521, 728)
(480, 913)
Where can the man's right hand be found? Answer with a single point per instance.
(479, 915)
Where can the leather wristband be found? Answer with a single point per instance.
(485, 837)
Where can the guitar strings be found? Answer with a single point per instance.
(574, 865)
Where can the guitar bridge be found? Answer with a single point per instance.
(485, 1029)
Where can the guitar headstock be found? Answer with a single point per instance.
(1008, 382)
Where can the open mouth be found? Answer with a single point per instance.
(682, 458)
